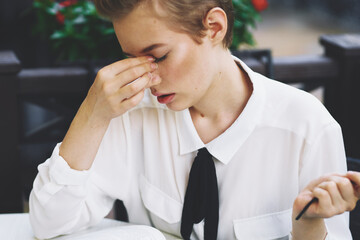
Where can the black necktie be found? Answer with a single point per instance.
(201, 198)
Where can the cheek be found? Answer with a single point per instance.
(183, 65)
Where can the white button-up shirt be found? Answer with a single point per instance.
(282, 140)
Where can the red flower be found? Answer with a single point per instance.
(260, 5)
(60, 17)
(67, 3)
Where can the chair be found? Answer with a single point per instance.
(261, 60)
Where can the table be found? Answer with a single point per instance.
(17, 227)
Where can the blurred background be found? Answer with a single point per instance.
(47, 64)
(293, 27)
(287, 27)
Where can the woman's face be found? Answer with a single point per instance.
(185, 67)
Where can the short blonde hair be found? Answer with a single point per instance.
(188, 15)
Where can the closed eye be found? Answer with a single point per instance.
(157, 60)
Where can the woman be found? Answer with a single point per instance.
(144, 119)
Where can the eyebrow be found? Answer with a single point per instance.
(147, 49)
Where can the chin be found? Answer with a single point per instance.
(177, 107)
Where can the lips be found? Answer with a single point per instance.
(165, 99)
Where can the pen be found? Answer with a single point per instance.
(305, 208)
(311, 202)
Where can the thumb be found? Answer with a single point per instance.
(355, 179)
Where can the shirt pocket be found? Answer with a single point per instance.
(165, 212)
(265, 227)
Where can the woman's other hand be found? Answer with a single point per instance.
(335, 195)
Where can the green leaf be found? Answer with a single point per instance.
(78, 10)
(58, 35)
(109, 31)
(53, 9)
(79, 19)
(90, 8)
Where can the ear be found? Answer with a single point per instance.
(216, 25)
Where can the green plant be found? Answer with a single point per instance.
(76, 31)
(247, 13)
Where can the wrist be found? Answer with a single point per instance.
(88, 114)
(83, 138)
(309, 228)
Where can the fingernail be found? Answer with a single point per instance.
(151, 59)
(154, 66)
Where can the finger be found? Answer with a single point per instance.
(324, 207)
(155, 80)
(331, 187)
(111, 84)
(134, 87)
(355, 178)
(309, 203)
(339, 203)
(131, 74)
(132, 101)
(321, 179)
(107, 77)
(122, 65)
(302, 200)
(346, 189)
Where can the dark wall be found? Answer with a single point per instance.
(16, 19)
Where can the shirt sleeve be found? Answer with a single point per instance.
(324, 155)
(64, 200)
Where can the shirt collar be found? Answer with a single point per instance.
(227, 144)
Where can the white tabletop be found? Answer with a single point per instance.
(17, 227)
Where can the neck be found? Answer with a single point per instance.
(228, 92)
(223, 101)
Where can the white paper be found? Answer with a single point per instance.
(131, 232)
(17, 227)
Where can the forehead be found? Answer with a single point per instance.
(143, 26)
